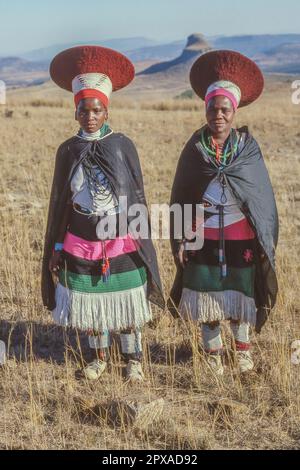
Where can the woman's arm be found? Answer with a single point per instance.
(57, 203)
(55, 258)
(53, 219)
(64, 223)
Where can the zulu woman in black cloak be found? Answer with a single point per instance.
(233, 276)
(104, 283)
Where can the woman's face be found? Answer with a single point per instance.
(219, 115)
(91, 114)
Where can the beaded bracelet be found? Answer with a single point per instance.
(58, 246)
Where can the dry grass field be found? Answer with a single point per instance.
(44, 402)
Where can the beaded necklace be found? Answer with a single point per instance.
(97, 182)
(98, 186)
(221, 156)
(218, 154)
(100, 134)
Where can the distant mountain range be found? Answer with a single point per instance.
(255, 44)
(274, 54)
(156, 53)
(16, 64)
(143, 49)
(20, 72)
(123, 45)
(281, 59)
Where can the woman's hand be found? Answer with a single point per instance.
(182, 255)
(54, 262)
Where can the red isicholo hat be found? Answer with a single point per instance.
(91, 71)
(230, 66)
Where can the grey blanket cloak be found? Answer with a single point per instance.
(120, 164)
(248, 179)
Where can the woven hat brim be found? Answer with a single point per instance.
(91, 59)
(227, 65)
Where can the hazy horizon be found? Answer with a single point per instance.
(31, 25)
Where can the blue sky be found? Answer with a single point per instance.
(32, 24)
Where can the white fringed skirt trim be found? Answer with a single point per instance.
(207, 307)
(106, 311)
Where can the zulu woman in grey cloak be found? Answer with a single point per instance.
(104, 284)
(233, 276)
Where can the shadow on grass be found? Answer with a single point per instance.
(162, 354)
(29, 339)
(26, 339)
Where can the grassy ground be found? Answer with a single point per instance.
(44, 402)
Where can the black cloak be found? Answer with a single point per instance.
(120, 164)
(248, 179)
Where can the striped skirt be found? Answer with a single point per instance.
(84, 299)
(209, 297)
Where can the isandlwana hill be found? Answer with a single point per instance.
(170, 78)
(173, 74)
(195, 46)
(163, 69)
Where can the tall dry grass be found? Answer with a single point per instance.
(44, 404)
